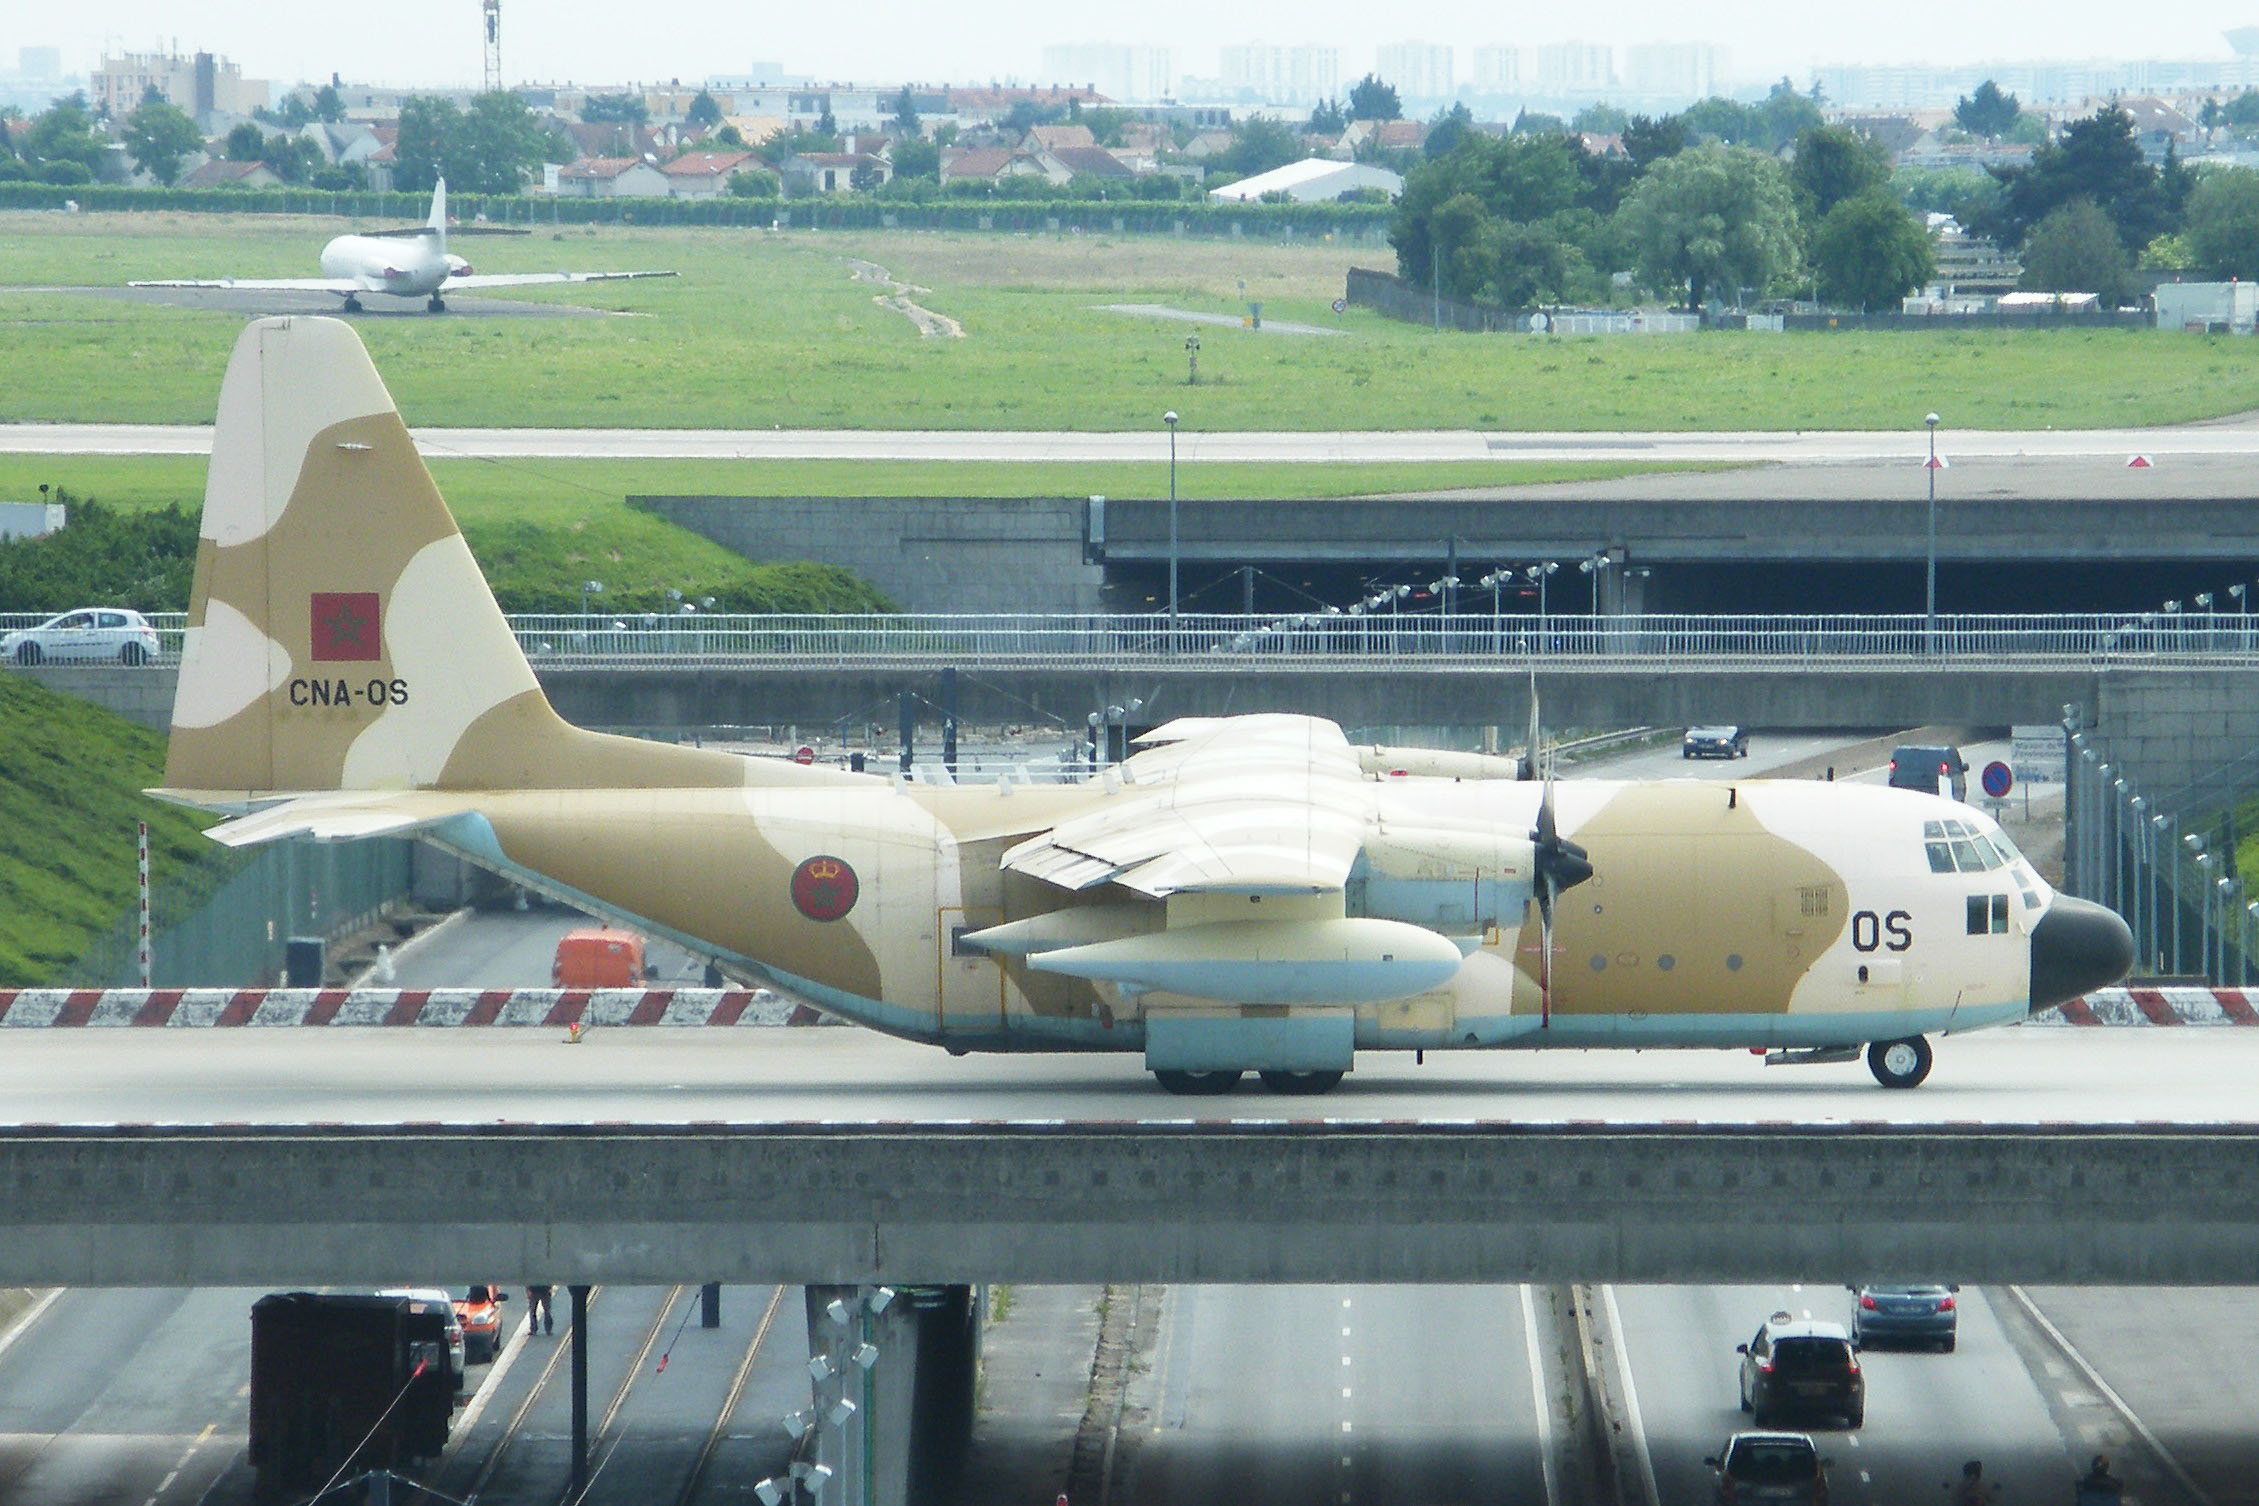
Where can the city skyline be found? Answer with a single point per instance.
(438, 43)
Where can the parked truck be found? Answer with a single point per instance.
(341, 1385)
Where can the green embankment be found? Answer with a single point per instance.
(71, 776)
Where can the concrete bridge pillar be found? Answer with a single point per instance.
(891, 1392)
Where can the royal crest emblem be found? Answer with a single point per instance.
(824, 888)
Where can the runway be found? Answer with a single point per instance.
(259, 303)
(2114, 446)
(845, 1075)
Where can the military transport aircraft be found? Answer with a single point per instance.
(413, 262)
(1244, 893)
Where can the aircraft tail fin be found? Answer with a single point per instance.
(436, 221)
(340, 635)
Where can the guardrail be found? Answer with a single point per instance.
(1317, 640)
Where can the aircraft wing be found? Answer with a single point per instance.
(262, 284)
(1257, 804)
(529, 279)
(335, 817)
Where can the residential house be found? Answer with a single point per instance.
(702, 175)
(1208, 144)
(611, 178)
(832, 172)
(1052, 137)
(1092, 162)
(613, 138)
(990, 164)
(1390, 135)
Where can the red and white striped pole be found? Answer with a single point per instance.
(142, 832)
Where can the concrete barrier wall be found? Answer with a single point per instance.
(1133, 1202)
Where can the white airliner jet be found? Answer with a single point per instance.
(409, 263)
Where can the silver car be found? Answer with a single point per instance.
(110, 635)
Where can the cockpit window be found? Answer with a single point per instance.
(1960, 846)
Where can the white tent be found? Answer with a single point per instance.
(1310, 181)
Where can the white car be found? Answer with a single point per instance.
(108, 634)
(436, 1300)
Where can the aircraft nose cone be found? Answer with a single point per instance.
(2077, 946)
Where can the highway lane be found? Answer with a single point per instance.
(1381, 1396)
(661, 1075)
(1753, 447)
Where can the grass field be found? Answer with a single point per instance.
(765, 328)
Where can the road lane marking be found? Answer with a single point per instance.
(1537, 1398)
(1632, 1418)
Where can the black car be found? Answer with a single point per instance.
(1923, 1313)
(1804, 1366)
(1934, 769)
(1715, 742)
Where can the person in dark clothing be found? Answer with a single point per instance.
(538, 1317)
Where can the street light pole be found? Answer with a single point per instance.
(1170, 418)
(1929, 574)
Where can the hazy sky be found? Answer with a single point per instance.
(440, 41)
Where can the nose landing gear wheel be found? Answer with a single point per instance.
(1197, 1084)
(1301, 1083)
(438, 305)
(1899, 1064)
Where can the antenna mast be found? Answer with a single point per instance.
(493, 45)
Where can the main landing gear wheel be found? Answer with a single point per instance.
(1301, 1083)
(1197, 1084)
(1899, 1064)
(352, 304)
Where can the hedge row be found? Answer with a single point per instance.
(1154, 216)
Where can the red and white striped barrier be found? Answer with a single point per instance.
(393, 1006)
(2157, 1006)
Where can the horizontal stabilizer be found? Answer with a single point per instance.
(1339, 961)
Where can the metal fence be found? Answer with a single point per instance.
(225, 923)
(2167, 864)
(1475, 638)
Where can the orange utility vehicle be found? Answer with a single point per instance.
(598, 958)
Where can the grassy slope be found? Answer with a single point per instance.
(68, 805)
(764, 328)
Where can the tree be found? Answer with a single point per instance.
(906, 114)
(1649, 141)
(2242, 112)
(1451, 204)
(1370, 99)
(916, 158)
(160, 135)
(1328, 119)
(1447, 130)
(1713, 219)
(627, 109)
(2076, 249)
(705, 110)
(419, 152)
(1988, 112)
(2223, 223)
(500, 145)
(1600, 119)
(2096, 159)
(64, 132)
(1786, 114)
(246, 143)
(1869, 252)
(1832, 164)
(329, 105)
(1720, 119)
(753, 183)
(1258, 145)
(827, 124)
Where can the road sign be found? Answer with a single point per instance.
(1997, 780)
(2036, 753)
(1341, 305)
(803, 754)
